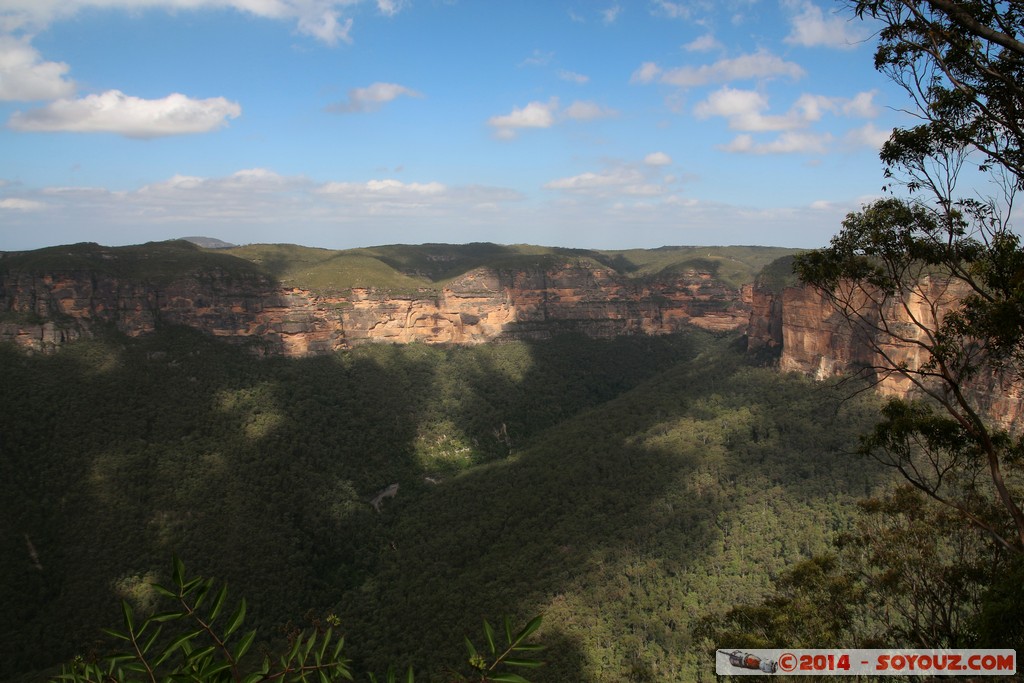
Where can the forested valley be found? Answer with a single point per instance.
(632, 491)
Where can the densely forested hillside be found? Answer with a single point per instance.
(623, 488)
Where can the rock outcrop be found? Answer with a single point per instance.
(43, 308)
(811, 338)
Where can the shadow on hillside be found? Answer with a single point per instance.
(120, 453)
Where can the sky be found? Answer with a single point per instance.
(605, 124)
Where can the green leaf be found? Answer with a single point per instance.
(507, 678)
(218, 602)
(178, 573)
(115, 634)
(526, 663)
(508, 629)
(236, 619)
(245, 644)
(325, 641)
(530, 628)
(129, 619)
(469, 647)
(409, 677)
(489, 633)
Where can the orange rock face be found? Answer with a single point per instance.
(819, 342)
(49, 309)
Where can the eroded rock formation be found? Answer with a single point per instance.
(45, 308)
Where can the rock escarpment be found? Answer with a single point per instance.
(809, 337)
(45, 306)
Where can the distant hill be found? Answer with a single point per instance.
(209, 242)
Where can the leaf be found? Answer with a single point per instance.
(236, 619)
(218, 602)
(530, 628)
(326, 640)
(245, 644)
(115, 634)
(469, 647)
(526, 663)
(508, 629)
(489, 632)
(178, 573)
(507, 678)
(409, 678)
(129, 620)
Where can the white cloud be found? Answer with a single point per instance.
(657, 159)
(587, 111)
(868, 136)
(789, 142)
(324, 20)
(18, 204)
(25, 77)
(573, 77)
(646, 73)
(609, 15)
(388, 187)
(538, 58)
(705, 43)
(372, 97)
(545, 115)
(862, 105)
(744, 109)
(673, 10)
(533, 115)
(115, 112)
(615, 181)
(810, 28)
(760, 64)
(390, 7)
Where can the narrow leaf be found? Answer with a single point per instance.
(507, 678)
(218, 602)
(245, 644)
(469, 647)
(129, 620)
(489, 632)
(530, 628)
(236, 619)
(526, 663)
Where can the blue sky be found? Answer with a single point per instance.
(344, 123)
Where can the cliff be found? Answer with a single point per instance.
(810, 337)
(52, 298)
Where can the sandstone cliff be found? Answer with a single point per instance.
(811, 338)
(46, 303)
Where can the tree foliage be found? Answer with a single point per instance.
(932, 282)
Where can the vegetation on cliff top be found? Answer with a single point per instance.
(401, 269)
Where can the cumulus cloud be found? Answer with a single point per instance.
(25, 77)
(811, 28)
(573, 77)
(19, 204)
(657, 159)
(705, 43)
(115, 112)
(587, 111)
(789, 142)
(533, 115)
(372, 97)
(609, 15)
(545, 115)
(868, 136)
(744, 109)
(674, 10)
(324, 20)
(646, 73)
(760, 64)
(619, 180)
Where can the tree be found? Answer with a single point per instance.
(187, 642)
(933, 281)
